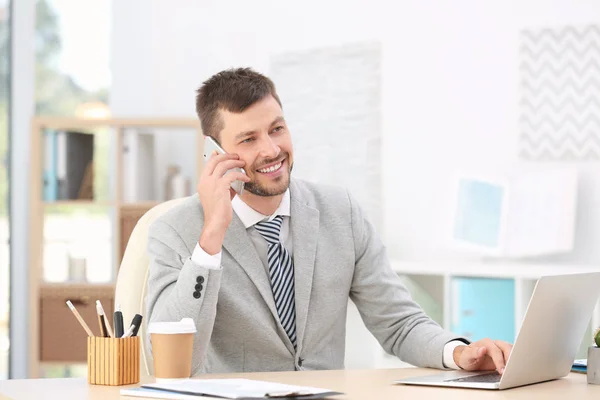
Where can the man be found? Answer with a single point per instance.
(267, 274)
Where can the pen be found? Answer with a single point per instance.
(291, 393)
(118, 321)
(81, 321)
(102, 321)
(135, 326)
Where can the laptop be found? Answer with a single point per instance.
(555, 321)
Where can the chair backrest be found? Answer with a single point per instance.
(132, 280)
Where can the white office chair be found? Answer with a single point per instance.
(132, 280)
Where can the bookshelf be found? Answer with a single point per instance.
(107, 213)
(433, 285)
(437, 285)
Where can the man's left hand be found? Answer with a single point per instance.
(483, 355)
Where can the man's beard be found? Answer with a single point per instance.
(278, 186)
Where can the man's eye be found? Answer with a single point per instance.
(278, 129)
(247, 140)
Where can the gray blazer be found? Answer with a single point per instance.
(337, 255)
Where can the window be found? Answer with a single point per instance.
(72, 80)
(4, 220)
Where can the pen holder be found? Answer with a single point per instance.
(113, 361)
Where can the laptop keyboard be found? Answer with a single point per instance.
(486, 378)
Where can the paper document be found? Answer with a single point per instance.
(161, 394)
(240, 388)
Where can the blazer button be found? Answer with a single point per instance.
(198, 287)
(197, 295)
(200, 279)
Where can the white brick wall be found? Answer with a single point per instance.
(331, 98)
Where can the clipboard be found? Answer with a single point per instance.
(241, 389)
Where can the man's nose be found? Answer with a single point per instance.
(270, 149)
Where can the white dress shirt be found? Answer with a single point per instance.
(251, 217)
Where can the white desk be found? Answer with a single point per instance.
(357, 384)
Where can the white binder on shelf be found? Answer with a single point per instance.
(139, 175)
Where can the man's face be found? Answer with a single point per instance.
(260, 137)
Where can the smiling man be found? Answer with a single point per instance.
(267, 275)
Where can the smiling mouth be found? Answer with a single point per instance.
(272, 168)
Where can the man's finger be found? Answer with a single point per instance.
(497, 356)
(215, 159)
(233, 176)
(506, 349)
(226, 165)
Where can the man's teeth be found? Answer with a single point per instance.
(270, 169)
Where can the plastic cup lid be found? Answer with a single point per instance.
(186, 325)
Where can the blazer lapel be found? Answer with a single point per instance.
(305, 231)
(237, 242)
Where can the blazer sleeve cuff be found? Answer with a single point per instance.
(197, 284)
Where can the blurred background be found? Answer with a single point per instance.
(468, 130)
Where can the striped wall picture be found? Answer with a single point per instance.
(559, 108)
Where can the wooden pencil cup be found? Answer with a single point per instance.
(113, 361)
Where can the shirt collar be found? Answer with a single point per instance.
(250, 216)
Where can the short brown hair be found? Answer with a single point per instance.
(233, 90)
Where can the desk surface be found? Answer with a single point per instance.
(357, 384)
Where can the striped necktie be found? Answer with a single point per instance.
(281, 272)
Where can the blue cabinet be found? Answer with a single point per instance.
(483, 307)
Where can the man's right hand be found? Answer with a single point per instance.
(215, 192)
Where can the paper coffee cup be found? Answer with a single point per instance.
(172, 346)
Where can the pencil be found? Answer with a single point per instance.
(81, 321)
(105, 320)
(103, 331)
